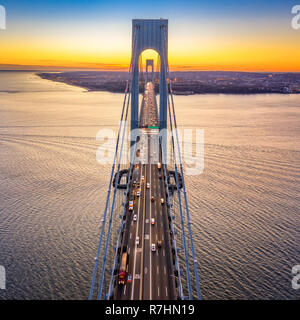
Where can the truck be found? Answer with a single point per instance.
(123, 264)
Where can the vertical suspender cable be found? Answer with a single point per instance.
(117, 179)
(107, 200)
(110, 185)
(185, 195)
(186, 203)
(177, 180)
(112, 208)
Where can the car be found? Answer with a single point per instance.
(138, 193)
(152, 199)
(134, 217)
(148, 185)
(137, 240)
(152, 221)
(153, 248)
(159, 244)
(143, 178)
(138, 184)
(130, 205)
(129, 278)
(162, 201)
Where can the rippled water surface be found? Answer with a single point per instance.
(245, 206)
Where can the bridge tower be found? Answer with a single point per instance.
(149, 34)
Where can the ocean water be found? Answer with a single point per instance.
(244, 207)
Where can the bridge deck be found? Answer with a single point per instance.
(152, 272)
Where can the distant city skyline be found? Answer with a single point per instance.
(203, 35)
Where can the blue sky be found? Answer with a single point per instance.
(93, 31)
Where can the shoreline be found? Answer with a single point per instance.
(115, 87)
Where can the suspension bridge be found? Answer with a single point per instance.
(146, 249)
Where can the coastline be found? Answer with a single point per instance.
(91, 82)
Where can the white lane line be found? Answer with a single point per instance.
(158, 291)
(129, 250)
(164, 252)
(125, 290)
(157, 269)
(130, 236)
(166, 291)
(150, 284)
(143, 239)
(156, 236)
(135, 251)
(165, 271)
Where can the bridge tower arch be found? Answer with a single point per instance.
(149, 34)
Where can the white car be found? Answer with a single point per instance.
(148, 185)
(152, 221)
(137, 241)
(138, 193)
(134, 217)
(153, 247)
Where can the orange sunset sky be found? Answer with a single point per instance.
(241, 36)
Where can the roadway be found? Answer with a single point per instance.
(152, 271)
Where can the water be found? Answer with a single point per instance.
(245, 206)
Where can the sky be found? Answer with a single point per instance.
(237, 35)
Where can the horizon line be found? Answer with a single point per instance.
(39, 68)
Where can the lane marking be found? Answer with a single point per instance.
(165, 271)
(125, 289)
(164, 252)
(135, 245)
(150, 284)
(157, 269)
(166, 291)
(158, 291)
(143, 233)
(130, 236)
